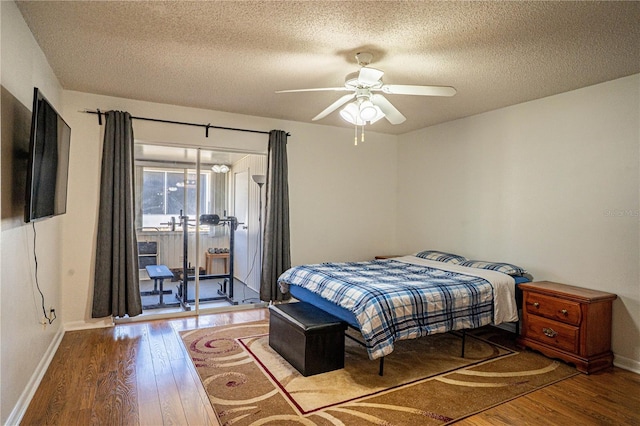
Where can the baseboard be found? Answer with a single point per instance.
(27, 394)
(85, 325)
(626, 363)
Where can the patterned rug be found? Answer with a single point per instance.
(425, 380)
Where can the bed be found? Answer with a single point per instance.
(410, 296)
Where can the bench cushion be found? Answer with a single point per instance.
(158, 271)
(307, 316)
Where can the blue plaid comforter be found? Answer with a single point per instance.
(394, 300)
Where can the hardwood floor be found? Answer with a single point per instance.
(139, 374)
(605, 398)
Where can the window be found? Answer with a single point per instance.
(168, 192)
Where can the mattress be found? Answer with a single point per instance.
(304, 295)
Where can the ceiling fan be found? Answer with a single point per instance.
(368, 106)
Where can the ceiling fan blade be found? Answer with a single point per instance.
(369, 76)
(334, 106)
(321, 89)
(391, 113)
(405, 89)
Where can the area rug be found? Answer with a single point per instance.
(425, 381)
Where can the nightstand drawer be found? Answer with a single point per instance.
(553, 333)
(554, 308)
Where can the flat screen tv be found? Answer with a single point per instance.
(47, 174)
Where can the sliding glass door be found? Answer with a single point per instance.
(187, 201)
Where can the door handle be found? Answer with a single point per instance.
(245, 227)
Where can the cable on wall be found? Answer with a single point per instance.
(53, 316)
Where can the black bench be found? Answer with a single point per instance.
(157, 273)
(310, 339)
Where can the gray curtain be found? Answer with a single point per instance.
(116, 287)
(276, 256)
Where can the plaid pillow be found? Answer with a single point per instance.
(441, 256)
(505, 268)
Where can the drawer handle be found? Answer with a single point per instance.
(565, 312)
(536, 305)
(549, 332)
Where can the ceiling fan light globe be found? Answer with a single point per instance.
(350, 113)
(368, 111)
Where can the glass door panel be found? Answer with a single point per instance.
(166, 198)
(215, 236)
(187, 200)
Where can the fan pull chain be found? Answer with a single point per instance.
(355, 138)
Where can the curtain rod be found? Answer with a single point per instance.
(183, 123)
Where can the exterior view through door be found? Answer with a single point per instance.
(183, 253)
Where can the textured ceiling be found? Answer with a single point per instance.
(232, 56)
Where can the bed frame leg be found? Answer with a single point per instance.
(464, 335)
(381, 370)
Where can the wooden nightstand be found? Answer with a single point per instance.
(569, 323)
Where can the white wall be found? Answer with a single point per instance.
(342, 198)
(551, 185)
(24, 343)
